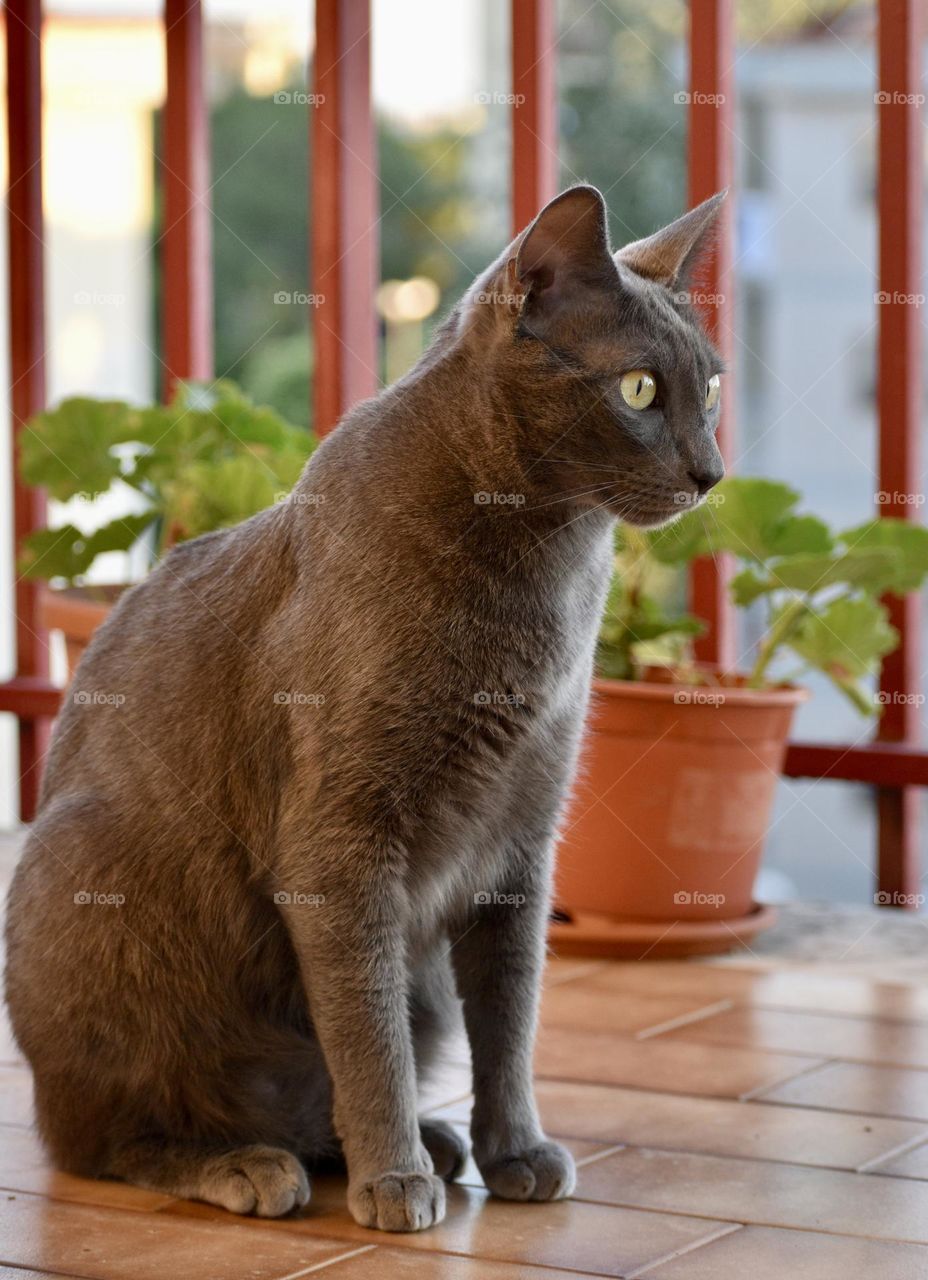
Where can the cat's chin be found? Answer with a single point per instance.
(652, 519)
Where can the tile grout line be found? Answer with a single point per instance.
(835, 1013)
(771, 1004)
(83, 1202)
(813, 1064)
(902, 1149)
(612, 1150)
(896, 1064)
(591, 968)
(26, 1267)
(400, 1241)
(451, 1102)
(711, 1154)
(770, 1223)
(726, 1229)
(752, 1095)
(329, 1262)
(685, 1019)
(695, 1018)
(845, 1111)
(851, 1015)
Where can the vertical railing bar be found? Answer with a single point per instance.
(899, 183)
(709, 169)
(343, 214)
(27, 342)
(187, 316)
(533, 40)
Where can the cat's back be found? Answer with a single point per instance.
(177, 669)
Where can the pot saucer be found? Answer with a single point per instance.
(609, 937)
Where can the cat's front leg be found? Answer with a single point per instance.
(351, 948)
(498, 964)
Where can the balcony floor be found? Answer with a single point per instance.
(762, 1115)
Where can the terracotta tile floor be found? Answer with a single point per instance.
(756, 1118)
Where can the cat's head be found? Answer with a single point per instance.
(615, 384)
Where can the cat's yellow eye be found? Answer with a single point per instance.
(713, 391)
(638, 388)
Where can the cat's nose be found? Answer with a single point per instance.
(707, 479)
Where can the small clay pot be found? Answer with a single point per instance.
(670, 814)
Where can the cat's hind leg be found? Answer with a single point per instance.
(447, 1147)
(265, 1181)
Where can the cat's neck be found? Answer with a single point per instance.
(460, 433)
(449, 454)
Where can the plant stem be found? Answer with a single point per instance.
(776, 635)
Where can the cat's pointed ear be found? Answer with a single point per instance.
(565, 250)
(672, 255)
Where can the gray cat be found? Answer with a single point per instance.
(301, 801)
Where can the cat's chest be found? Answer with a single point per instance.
(536, 692)
(504, 777)
(568, 600)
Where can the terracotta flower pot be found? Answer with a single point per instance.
(668, 821)
(77, 612)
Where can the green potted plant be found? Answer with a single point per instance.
(661, 847)
(208, 459)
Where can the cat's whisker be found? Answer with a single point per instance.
(578, 462)
(570, 497)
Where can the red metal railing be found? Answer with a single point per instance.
(535, 175)
(29, 694)
(344, 255)
(187, 316)
(709, 169)
(344, 211)
(895, 764)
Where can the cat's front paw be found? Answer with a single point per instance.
(542, 1172)
(398, 1201)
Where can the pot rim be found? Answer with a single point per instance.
(788, 695)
